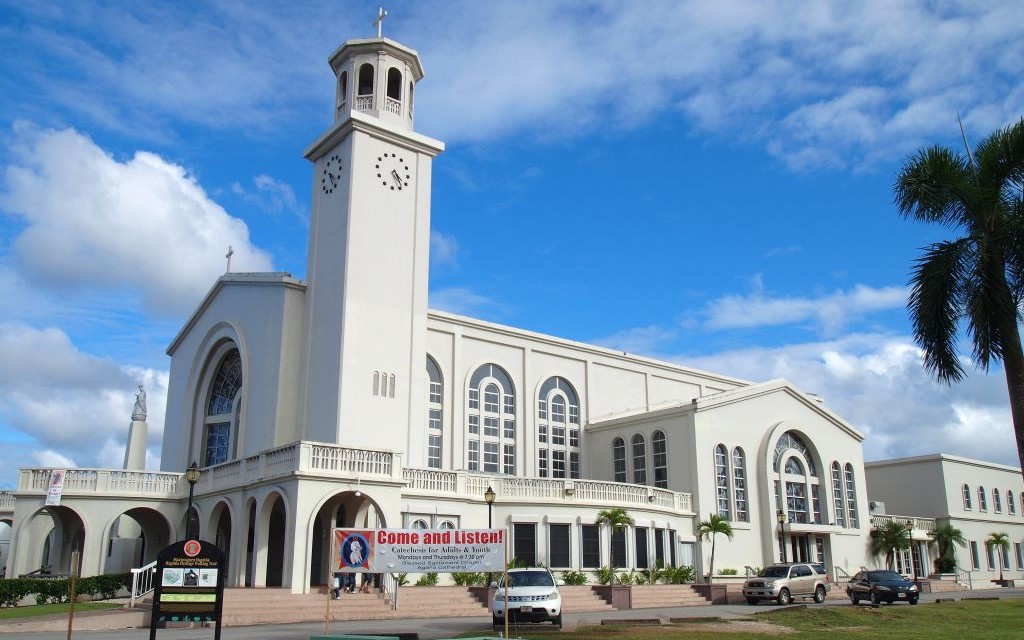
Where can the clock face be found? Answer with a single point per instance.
(331, 177)
(392, 171)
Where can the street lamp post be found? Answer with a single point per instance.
(489, 496)
(780, 515)
(191, 477)
(913, 552)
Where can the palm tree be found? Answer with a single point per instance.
(888, 539)
(979, 277)
(617, 520)
(708, 529)
(1001, 542)
(946, 535)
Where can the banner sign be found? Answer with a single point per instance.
(419, 550)
(53, 494)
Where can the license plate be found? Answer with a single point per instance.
(903, 595)
(526, 609)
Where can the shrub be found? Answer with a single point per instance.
(468, 578)
(403, 579)
(427, 580)
(574, 578)
(727, 572)
(605, 575)
(627, 578)
(679, 575)
(648, 576)
(945, 565)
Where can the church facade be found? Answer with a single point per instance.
(343, 401)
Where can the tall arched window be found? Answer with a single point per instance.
(393, 104)
(967, 497)
(982, 500)
(796, 491)
(558, 428)
(739, 485)
(851, 497)
(223, 410)
(837, 495)
(365, 87)
(788, 445)
(342, 89)
(997, 501)
(435, 414)
(1011, 507)
(722, 481)
(619, 460)
(639, 460)
(659, 451)
(491, 425)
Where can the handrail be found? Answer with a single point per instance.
(749, 569)
(841, 575)
(142, 582)
(389, 583)
(964, 573)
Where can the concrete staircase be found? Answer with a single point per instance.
(666, 595)
(582, 598)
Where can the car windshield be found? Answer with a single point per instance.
(530, 579)
(775, 572)
(883, 576)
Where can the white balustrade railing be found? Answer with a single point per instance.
(919, 524)
(393, 106)
(463, 484)
(364, 103)
(142, 582)
(106, 481)
(6, 501)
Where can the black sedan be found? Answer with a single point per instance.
(881, 585)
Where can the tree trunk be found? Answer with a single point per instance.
(1013, 366)
(711, 567)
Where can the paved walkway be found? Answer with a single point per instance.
(428, 628)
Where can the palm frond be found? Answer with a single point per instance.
(936, 185)
(936, 305)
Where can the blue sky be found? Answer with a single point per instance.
(704, 182)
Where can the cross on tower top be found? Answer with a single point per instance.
(379, 22)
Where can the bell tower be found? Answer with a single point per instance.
(369, 241)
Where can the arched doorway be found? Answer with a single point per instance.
(51, 534)
(352, 509)
(136, 536)
(220, 525)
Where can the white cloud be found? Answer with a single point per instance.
(92, 221)
(444, 249)
(641, 340)
(830, 312)
(464, 301)
(74, 407)
(272, 196)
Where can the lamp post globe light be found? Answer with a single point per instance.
(780, 515)
(489, 496)
(191, 477)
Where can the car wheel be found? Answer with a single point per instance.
(819, 595)
(854, 599)
(557, 621)
(785, 597)
(875, 600)
(912, 601)
(751, 600)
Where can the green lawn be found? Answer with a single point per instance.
(969, 620)
(8, 613)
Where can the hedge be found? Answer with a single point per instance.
(57, 590)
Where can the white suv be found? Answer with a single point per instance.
(531, 596)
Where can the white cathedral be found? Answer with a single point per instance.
(344, 401)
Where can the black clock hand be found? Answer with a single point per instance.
(397, 178)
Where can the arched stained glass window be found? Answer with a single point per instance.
(222, 411)
(838, 501)
(435, 414)
(739, 485)
(722, 482)
(851, 497)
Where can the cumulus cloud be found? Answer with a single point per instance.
(272, 196)
(444, 249)
(74, 408)
(829, 312)
(91, 220)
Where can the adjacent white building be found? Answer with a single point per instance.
(343, 401)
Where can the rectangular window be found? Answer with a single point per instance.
(542, 409)
(990, 553)
(491, 457)
(796, 502)
(837, 497)
(590, 546)
(574, 414)
(640, 535)
(574, 464)
(619, 459)
(474, 423)
(672, 547)
(659, 547)
(574, 437)
(542, 433)
(639, 461)
(815, 504)
(619, 548)
(851, 498)
(524, 543)
(474, 398)
(975, 559)
(819, 550)
(542, 463)
(491, 397)
(509, 461)
(557, 464)
(491, 426)
(558, 411)
(1019, 552)
(510, 404)
(474, 455)
(434, 420)
(1006, 556)
(558, 546)
(686, 554)
(435, 392)
(434, 452)
(217, 438)
(558, 436)
(510, 429)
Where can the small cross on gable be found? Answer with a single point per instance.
(379, 22)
